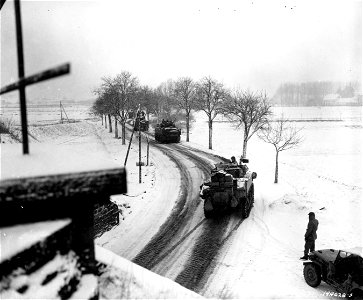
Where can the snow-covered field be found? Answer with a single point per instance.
(324, 175)
(261, 258)
(47, 113)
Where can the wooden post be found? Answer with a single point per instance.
(60, 107)
(65, 113)
(128, 149)
(139, 150)
(147, 150)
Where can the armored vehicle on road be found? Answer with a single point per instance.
(142, 125)
(166, 132)
(231, 187)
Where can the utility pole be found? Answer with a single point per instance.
(62, 107)
(148, 150)
(139, 148)
(128, 149)
(22, 97)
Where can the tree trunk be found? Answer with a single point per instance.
(105, 121)
(102, 119)
(123, 133)
(187, 123)
(116, 129)
(245, 140)
(109, 123)
(277, 167)
(210, 123)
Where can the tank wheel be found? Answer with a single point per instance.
(251, 195)
(245, 209)
(312, 275)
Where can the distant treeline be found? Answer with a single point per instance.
(313, 93)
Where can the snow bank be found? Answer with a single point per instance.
(123, 279)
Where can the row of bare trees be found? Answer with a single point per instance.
(117, 96)
(247, 109)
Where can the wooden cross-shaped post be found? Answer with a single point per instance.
(25, 81)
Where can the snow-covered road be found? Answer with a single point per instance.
(186, 245)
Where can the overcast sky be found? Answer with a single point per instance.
(251, 44)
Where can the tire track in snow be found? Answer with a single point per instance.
(223, 269)
(180, 241)
(157, 248)
(149, 256)
(215, 233)
(208, 245)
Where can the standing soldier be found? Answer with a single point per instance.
(310, 235)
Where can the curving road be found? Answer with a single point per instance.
(187, 243)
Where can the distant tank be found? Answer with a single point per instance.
(166, 132)
(141, 123)
(230, 187)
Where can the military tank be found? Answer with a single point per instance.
(140, 122)
(230, 187)
(142, 125)
(167, 132)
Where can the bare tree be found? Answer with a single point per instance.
(283, 136)
(117, 96)
(163, 99)
(98, 107)
(105, 99)
(249, 110)
(146, 98)
(108, 91)
(210, 96)
(185, 98)
(127, 87)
